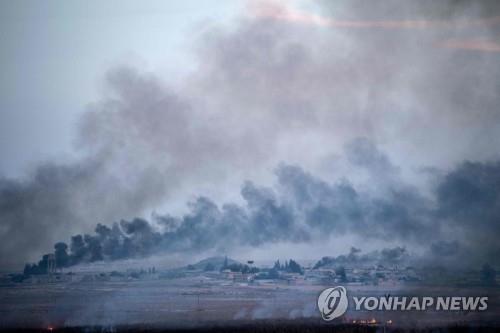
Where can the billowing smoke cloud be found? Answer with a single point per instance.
(272, 90)
(387, 256)
(302, 208)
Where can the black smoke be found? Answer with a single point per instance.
(458, 224)
(268, 90)
(387, 256)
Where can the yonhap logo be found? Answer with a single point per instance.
(332, 303)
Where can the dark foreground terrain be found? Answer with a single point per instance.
(292, 326)
(211, 305)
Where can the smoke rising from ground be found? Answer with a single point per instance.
(303, 208)
(268, 91)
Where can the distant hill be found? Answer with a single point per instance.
(216, 262)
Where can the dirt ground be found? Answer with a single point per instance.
(195, 303)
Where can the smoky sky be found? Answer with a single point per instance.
(334, 118)
(301, 208)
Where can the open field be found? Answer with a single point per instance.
(193, 302)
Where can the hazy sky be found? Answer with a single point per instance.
(256, 123)
(54, 54)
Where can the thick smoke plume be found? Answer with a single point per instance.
(303, 208)
(419, 79)
(387, 256)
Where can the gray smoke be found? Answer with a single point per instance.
(269, 90)
(387, 256)
(303, 208)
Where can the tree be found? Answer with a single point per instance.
(294, 267)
